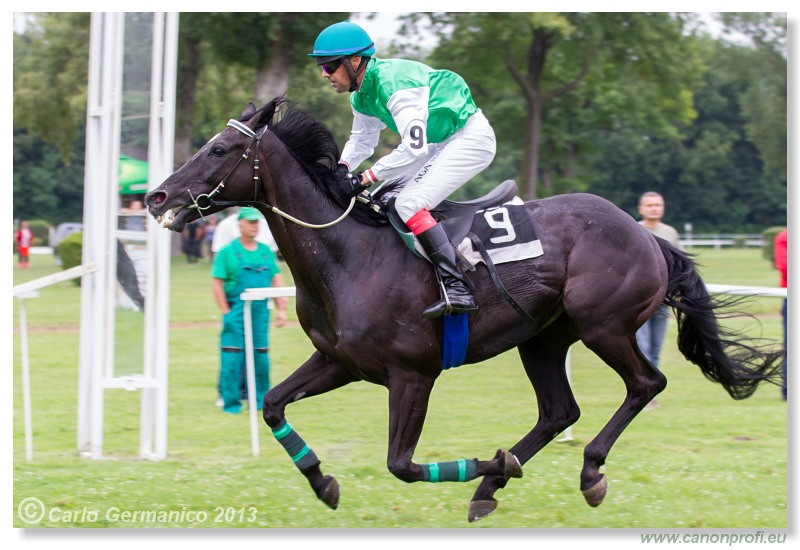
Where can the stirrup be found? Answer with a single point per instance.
(444, 306)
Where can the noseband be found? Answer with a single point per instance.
(207, 200)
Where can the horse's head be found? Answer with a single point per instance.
(221, 172)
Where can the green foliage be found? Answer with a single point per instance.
(70, 250)
(627, 102)
(44, 185)
(713, 177)
(576, 74)
(50, 78)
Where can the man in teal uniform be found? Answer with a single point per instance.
(445, 140)
(242, 264)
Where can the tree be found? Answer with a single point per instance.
(714, 176)
(613, 69)
(762, 71)
(50, 78)
(225, 47)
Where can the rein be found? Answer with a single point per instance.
(207, 200)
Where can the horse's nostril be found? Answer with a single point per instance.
(156, 198)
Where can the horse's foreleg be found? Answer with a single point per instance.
(544, 359)
(408, 405)
(316, 376)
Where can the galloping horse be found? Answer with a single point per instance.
(361, 292)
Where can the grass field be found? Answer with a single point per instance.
(702, 460)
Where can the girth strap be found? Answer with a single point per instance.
(478, 244)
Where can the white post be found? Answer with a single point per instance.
(26, 373)
(568, 363)
(251, 375)
(248, 296)
(154, 402)
(101, 176)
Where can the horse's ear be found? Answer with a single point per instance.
(248, 111)
(269, 111)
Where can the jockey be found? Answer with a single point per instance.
(445, 140)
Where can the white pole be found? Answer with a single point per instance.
(248, 296)
(161, 165)
(93, 146)
(251, 375)
(26, 375)
(568, 365)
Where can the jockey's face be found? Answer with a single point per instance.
(339, 78)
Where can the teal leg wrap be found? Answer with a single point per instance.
(458, 470)
(302, 456)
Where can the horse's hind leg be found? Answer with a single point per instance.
(544, 358)
(642, 382)
(316, 376)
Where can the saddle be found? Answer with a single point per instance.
(455, 216)
(459, 221)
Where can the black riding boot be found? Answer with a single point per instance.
(443, 255)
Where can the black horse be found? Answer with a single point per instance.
(360, 295)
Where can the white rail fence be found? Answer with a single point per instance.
(22, 293)
(28, 290)
(719, 240)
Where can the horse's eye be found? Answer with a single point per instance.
(218, 151)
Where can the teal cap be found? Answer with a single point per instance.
(250, 214)
(340, 40)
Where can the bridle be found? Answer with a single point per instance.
(207, 200)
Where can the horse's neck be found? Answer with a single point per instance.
(310, 253)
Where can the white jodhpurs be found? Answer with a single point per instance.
(447, 166)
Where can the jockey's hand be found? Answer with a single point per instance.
(350, 185)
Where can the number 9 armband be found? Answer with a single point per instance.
(415, 138)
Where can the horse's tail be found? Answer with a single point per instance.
(722, 355)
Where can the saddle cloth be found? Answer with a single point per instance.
(507, 233)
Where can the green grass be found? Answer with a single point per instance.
(701, 460)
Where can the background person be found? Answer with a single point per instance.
(242, 264)
(24, 239)
(192, 241)
(781, 264)
(227, 231)
(650, 337)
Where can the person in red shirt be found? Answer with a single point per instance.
(24, 241)
(781, 262)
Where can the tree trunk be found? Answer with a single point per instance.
(184, 109)
(272, 80)
(530, 158)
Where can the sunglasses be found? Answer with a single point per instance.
(331, 67)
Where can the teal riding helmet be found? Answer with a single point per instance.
(340, 40)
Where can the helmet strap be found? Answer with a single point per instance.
(355, 73)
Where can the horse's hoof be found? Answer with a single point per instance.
(511, 465)
(595, 494)
(479, 509)
(330, 493)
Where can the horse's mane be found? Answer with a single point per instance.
(314, 146)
